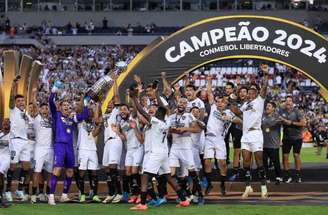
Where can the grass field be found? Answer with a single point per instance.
(76, 209)
(308, 155)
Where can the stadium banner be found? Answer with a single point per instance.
(232, 37)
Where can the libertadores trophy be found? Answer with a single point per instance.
(100, 88)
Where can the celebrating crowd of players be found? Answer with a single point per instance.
(149, 141)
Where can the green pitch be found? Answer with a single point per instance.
(123, 209)
(308, 155)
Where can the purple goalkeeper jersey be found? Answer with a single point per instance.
(64, 126)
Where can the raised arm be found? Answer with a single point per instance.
(133, 95)
(161, 104)
(209, 90)
(52, 104)
(13, 92)
(82, 116)
(98, 121)
(117, 99)
(166, 85)
(264, 87)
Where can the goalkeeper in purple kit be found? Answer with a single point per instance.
(64, 126)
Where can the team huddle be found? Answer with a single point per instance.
(150, 142)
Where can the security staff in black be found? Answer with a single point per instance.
(293, 122)
(271, 126)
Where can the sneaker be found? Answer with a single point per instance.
(298, 180)
(208, 189)
(64, 198)
(108, 199)
(195, 199)
(248, 191)
(139, 207)
(201, 201)
(125, 197)
(33, 199)
(96, 198)
(91, 194)
(152, 202)
(42, 197)
(117, 198)
(161, 201)
(138, 201)
(9, 196)
(183, 204)
(133, 199)
(264, 192)
(25, 198)
(223, 190)
(234, 177)
(19, 194)
(82, 198)
(51, 199)
(279, 180)
(190, 198)
(289, 180)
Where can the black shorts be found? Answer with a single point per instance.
(288, 144)
(236, 138)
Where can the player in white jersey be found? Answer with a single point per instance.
(182, 124)
(43, 152)
(19, 147)
(88, 130)
(132, 137)
(218, 124)
(194, 101)
(113, 150)
(197, 146)
(5, 158)
(252, 139)
(156, 157)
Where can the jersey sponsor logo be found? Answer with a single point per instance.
(45, 124)
(66, 121)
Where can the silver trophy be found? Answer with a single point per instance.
(100, 88)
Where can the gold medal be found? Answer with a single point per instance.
(267, 130)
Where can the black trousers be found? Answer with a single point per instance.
(272, 155)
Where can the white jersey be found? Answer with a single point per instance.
(18, 124)
(197, 102)
(252, 118)
(43, 132)
(30, 129)
(156, 136)
(181, 141)
(110, 119)
(132, 141)
(4, 143)
(85, 139)
(215, 125)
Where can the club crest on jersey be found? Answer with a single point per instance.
(249, 107)
(68, 130)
